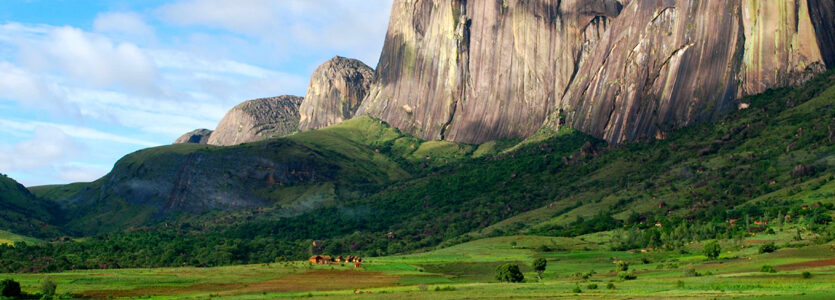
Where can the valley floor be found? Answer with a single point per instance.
(466, 271)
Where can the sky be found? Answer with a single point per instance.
(83, 82)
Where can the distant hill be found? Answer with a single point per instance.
(23, 213)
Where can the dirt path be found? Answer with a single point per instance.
(806, 265)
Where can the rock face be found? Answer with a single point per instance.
(335, 92)
(473, 71)
(673, 63)
(197, 136)
(258, 119)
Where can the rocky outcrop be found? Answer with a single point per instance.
(668, 64)
(258, 119)
(473, 71)
(197, 136)
(335, 92)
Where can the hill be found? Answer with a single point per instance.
(766, 163)
(23, 213)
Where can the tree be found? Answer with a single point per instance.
(509, 273)
(539, 265)
(712, 250)
(10, 288)
(48, 287)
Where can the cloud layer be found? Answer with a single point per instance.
(74, 98)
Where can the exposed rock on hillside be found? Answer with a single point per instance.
(197, 136)
(673, 63)
(258, 119)
(473, 71)
(336, 90)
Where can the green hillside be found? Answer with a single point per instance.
(23, 213)
(394, 194)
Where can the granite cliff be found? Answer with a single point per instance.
(258, 119)
(335, 92)
(197, 136)
(474, 71)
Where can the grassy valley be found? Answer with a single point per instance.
(434, 219)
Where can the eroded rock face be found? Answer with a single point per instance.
(335, 92)
(668, 64)
(197, 136)
(258, 119)
(473, 71)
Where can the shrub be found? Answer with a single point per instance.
(627, 275)
(680, 284)
(48, 287)
(509, 273)
(768, 269)
(768, 248)
(623, 265)
(444, 289)
(645, 260)
(610, 286)
(577, 289)
(691, 272)
(592, 286)
(10, 288)
(712, 250)
(807, 275)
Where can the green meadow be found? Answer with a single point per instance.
(579, 267)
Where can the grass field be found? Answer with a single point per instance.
(466, 271)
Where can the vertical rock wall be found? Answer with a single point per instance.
(473, 71)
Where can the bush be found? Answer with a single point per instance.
(48, 287)
(768, 248)
(807, 275)
(444, 289)
(691, 272)
(509, 273)
(10, 288)
(627, 276)
(610, 286)
(577, 289)
(623, 265)
(592, 286)
(768, 269)
(712, 250)
(680, 284)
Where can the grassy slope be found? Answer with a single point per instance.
(23, 213)
(726, 164)
(359, 155)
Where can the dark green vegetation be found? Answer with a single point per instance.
(509, 273)
(23, 213)
(389, 193)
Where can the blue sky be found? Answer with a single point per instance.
(82, 83)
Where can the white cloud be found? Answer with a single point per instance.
(17, 127)
(244, 16)
(24, 86)
(354, 28)
(47, 145)
(77, 172)
(123, 23)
